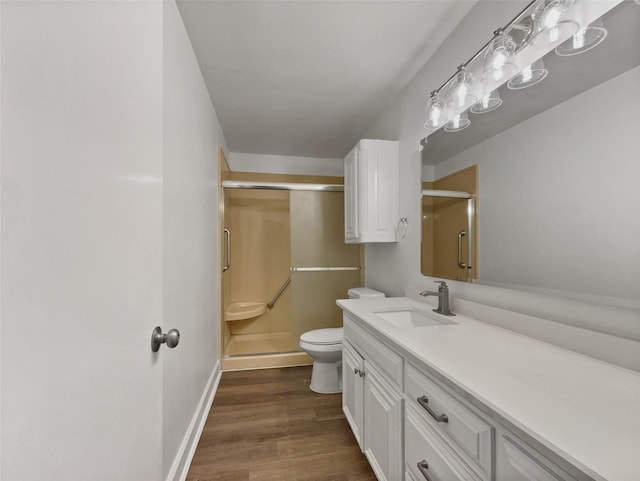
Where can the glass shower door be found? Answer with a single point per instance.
(323, 267)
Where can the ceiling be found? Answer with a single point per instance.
(306, 78)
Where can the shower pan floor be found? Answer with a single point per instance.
(256, 344)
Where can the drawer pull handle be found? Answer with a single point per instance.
(358, 372)
(424, 402)
(423, 466)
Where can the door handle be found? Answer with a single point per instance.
(461, 234)
(171, 338)
(227, 262)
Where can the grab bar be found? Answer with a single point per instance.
(461, 234)
(279, 293)
(323, 269)
(227, 262)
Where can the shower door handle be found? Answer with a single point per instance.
(227, 262)
(461, 234)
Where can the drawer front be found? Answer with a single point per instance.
(526, 465)
(451, 418)
(427, 458)
(373, 350)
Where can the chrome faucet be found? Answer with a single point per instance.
(443, 298)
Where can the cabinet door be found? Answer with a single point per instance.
(382, 426)
(351, 196)
(352, 390)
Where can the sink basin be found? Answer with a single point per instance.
(411, 317)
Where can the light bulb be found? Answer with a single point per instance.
(459, 122)
(434, 117)
(489, 102)
(578, 38)
(550, 28)
(499, 60)
(462, 95)
(584, 40)
(497, 63)
(551, 16)
(530, 75)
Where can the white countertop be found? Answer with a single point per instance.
(585, 410)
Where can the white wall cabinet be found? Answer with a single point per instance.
(413, 427)
(371, 192)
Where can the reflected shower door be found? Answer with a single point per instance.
(323, 267)
(450, 239)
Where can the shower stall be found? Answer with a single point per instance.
(285, 264)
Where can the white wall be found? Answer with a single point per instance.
(190, 221)
(285, 164)
(191, 137)
(392, 267)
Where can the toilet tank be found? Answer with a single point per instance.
(364, 293)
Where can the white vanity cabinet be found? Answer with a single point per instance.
(415, 424)
(372, 400)
(371, 192)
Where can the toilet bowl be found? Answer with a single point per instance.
(325, 347)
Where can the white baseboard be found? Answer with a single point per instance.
(184, 456)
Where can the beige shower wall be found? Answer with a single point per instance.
(259, 221)
(260, 246)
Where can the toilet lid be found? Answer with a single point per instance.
(323, 336)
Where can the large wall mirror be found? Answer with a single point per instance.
(557, 177)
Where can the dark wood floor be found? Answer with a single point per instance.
(267, 425)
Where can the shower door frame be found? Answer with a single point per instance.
(276, 359)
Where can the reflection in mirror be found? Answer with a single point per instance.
(448, 246)
(558, 174)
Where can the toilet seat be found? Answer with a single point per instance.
(322, 337)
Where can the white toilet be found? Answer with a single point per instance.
(325, 347)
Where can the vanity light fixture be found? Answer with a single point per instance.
(458, 123)
(462, 90)
(435, 112)
(489, 102)
(585, 39)
(548, 27)
(530, 75)
(498, 61)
